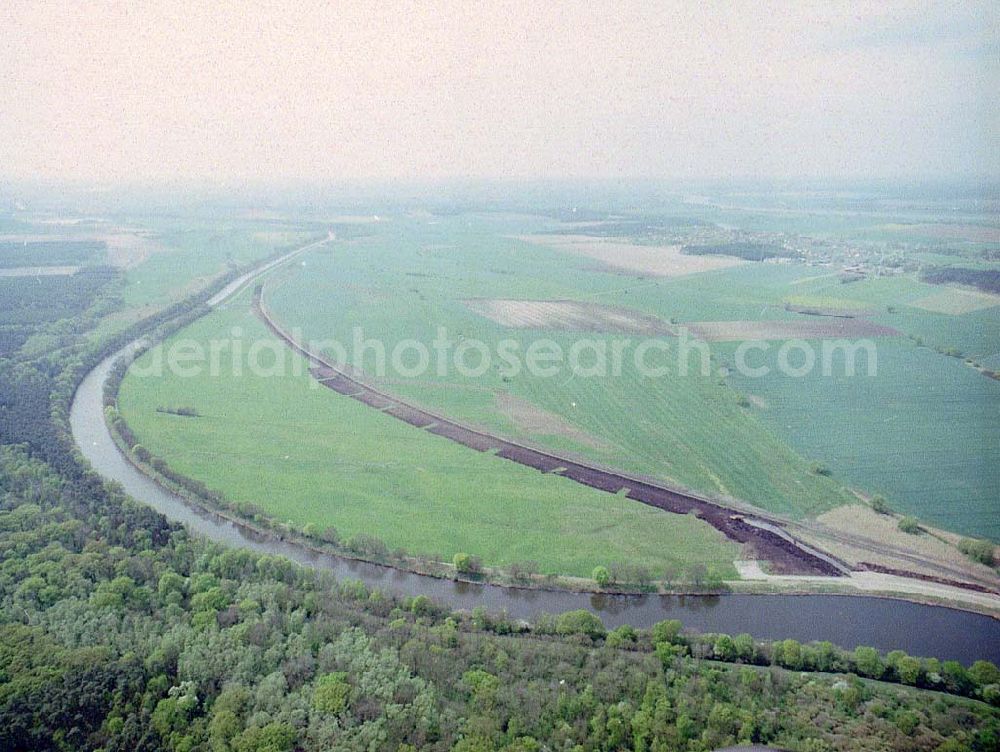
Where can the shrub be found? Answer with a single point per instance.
(908, 670)
(868, 662)
(467, 563)
(666, 631)
(724, 648)
(601, 576)
(880, 505)
(580, 622)
(422, 606)
(819, 469)
(984, 673)
(621, 637)
(524, 570)
(330, 535)
(977, 550)
(367, 545)
(909, 525)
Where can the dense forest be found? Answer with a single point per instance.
(120, 631)
(51, 308)
(987, 280)
(50, 252)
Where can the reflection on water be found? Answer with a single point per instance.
(844, 620)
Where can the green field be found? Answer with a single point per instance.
(924, 432)
(411, 279)
(196, 252)
(915, 433)
(308, 455)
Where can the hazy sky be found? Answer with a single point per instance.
(348, 90)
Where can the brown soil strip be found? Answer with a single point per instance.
(818, 328)
(472, 439)
(529, 458)
(599, 479)
(765, 537)
(373, 400)
(409, 415)
(320, 373)
(335, 381)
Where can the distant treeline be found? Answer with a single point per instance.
(987, 280)
(632, 227)
(747, 251)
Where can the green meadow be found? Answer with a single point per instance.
(411, 279)
(308, 455)
(192, 254)
(408, 278)
(922, 432)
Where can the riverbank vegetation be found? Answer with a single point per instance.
(121, 632)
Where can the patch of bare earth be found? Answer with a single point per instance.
(878, 540)
(957, 300)
(534, 420)
(655, 260)
(820, 328)
(128, 249)
(570, 315)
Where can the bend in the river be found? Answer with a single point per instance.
(845, 620)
